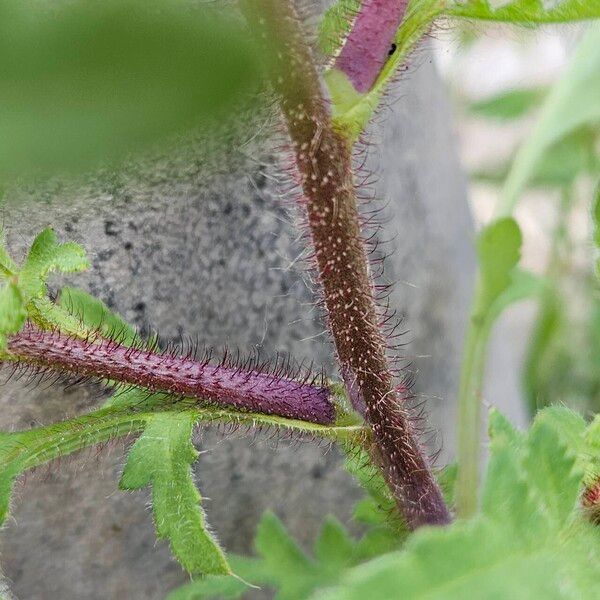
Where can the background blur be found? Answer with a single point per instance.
(214, 253)
(497, 78)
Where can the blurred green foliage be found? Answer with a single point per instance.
(509, 104)
(562, 360)
(88, 80)
(573, 103)
(524, 12)
(529, 540)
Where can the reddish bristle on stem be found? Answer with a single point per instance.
(370, 42)
(323, 160)
(248, 390)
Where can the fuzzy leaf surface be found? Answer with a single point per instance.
(46, 256)
(162, 458)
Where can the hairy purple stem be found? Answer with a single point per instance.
(369, 44)
(324, 163)
(228, 386)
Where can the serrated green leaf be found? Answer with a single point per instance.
(284, 564)
(161, 458)
(498, 251)
(501, 430)
(45, 256)
(568, 425)
(528, 542)
(508, 105)
(476, 559)
(12, 312)
(572, 103)
(525, 12)
(100, 79)
(506, 498)
(334, 547)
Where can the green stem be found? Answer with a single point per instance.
(469, 409)
(24, 450)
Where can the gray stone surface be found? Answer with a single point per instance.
(215, 258)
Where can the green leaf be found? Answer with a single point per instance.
(500, 429)
(96, 316)
(336, 24)
(46, 256)
(498, 251)
(360, 466)
(508, 105)
(284, 564)
(506, 499)
(572, 103)
(447, 479)
(89, 81)
(525, 12)
(475, 559)
(128, 413)
(334, 547)
(528, 542)
(281, 564)
(377, 541)
(551, 473)
(31, 448)
(568, 425)
(12, 312)
(7, 267)
(523, 285)
(161, 458)
(212, 586)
